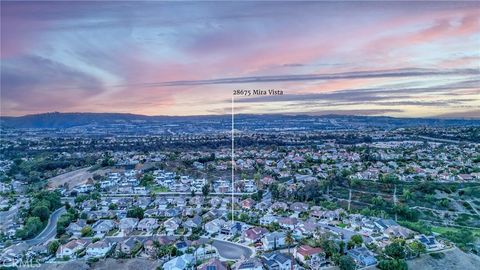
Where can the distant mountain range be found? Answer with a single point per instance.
(68, 120)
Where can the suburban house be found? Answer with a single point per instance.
(103, 226)
(214, 226)
(362, 256)
(299, 207)
(277, 261)
(161, 203)
(171, 225)
(231, 228)
(98, 249)
(314, 257)
(383, 224)
(127, 225)
(180, 263)
(75, 228)
(149, 247)
(268, 219)
(273, 240)
(247, 203)
(288, 222)
(213, 264)
(194, 222)
(306, 228)
(430, 242)
(254, 234)
(148, 224)
(151, 213)
(69, 249)
(398, 231)
(128, 244)
(279, 206)
(250, 264)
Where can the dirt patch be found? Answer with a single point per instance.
(453, 260)
(108, 264)
(73, 178)
(77, 265)
(130, 264)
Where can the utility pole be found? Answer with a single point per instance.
(233, 159)
(395, 199)
(349, 199)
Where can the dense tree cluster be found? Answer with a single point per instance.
(36, 217)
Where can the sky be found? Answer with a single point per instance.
(400, 59)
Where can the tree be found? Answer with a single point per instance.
(206, 190)
(346, 263)
(407, 194)
(63, 222)
(50, 199)
(87, 231)
(392, 265)
(395, 250)
(42, 212)
(329, 247)
(135, 212)
(417, 247)
(461, 237)
(357, 239)
(378, 200)
(31, 228)
(275, 190)
(341, 245)
(389, 178)
(350, 244)
(53, 246)
(289, 241)
(444, 202)
(258, 195)
(147, 180)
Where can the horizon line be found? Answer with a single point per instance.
(473, 118)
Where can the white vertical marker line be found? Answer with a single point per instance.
(233, 158)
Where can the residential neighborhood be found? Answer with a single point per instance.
(387, 200)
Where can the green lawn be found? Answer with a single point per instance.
(158, 189)
(442, 230)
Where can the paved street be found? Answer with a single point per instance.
(231, 251)
(49, 231)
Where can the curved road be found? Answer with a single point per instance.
(49, 231)
(230, 250)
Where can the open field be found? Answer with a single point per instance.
(131, 264)
(442, 230)
(77, 265)
(73, 178)
(454, 259)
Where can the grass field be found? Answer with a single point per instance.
(158, 189)
(442, 230)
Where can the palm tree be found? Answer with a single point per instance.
(289, 241)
